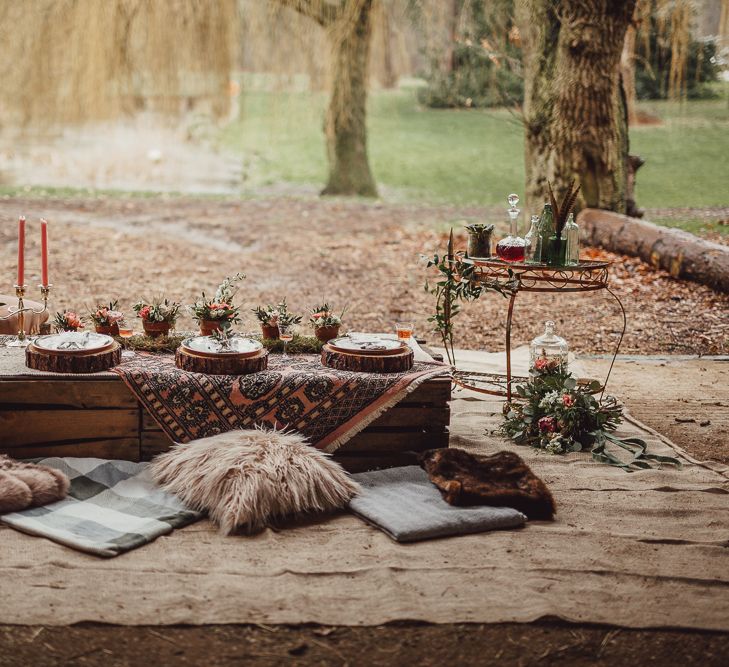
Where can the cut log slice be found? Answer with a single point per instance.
(367, 363)
(41, 360)
(222, 365)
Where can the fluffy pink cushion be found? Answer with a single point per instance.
(243, 479)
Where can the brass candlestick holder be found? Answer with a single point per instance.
(22, 340)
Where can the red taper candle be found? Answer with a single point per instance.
(44, 252)
(21, 250)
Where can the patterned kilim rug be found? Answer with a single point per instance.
(327, 406)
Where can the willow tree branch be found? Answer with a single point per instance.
(321, 11)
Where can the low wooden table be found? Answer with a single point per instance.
(98, 416)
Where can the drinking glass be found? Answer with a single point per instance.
(126, 330)
(286, 334)
(404, 330)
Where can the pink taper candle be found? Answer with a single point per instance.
(21, 249)
(44, 252)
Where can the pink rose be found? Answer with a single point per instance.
(73, 320)
(548, 424)
(568, 400)
(144, 313)
(541, 363)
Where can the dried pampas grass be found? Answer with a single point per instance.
(244, 479)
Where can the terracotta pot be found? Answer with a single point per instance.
(270, 332)
(325, 334)
(156, 329)
(111, 330)
(208, 326)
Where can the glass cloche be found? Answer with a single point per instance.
(548, 353)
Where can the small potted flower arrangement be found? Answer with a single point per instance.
(106, 318)
(67, 321)
(325, 323)
(158, 316)
(270, 316)
(219, 312)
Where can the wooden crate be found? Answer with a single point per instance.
(100, 417)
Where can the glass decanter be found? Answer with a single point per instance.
(572, 234)
(533, 240)
(548, 353)
(511, 248)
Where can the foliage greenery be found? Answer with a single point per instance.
(323, 316)
(456, 282)
(221, 306)
(274, 314)
(104, 315)
(142, 343)
(157, 309)
(67, 321)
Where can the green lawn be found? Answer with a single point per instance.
(469, 156)
(474, 156)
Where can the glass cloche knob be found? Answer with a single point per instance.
(513, 200)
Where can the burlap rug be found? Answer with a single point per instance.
(646, 549)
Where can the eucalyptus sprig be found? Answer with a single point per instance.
(458, 281)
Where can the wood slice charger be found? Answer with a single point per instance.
(367, 363)
(73, 362)
(229, 364)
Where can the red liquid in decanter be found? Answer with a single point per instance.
(510, 252)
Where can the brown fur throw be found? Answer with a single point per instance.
(24, 485)
(502, 479)
(246, 478)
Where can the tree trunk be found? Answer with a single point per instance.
(574, 107)
(627, 73)
(345, 126)
(682, 254)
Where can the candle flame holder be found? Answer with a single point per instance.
(22, 340)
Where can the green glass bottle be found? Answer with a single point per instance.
(546, 230)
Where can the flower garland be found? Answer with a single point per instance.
(559, 415)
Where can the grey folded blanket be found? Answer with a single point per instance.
(404, 503)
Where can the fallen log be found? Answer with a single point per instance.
(680, 253)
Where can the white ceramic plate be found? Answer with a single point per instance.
(208, 346)
(367, 345)
(72, 342)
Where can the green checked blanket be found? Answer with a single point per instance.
(112, 507)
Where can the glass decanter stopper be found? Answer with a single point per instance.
(548, 353)
(533, 247)
(511, 249)
(572, 235)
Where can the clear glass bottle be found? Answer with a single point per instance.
(548, 353)
(572, 234)
(533, 247)
(511, 248)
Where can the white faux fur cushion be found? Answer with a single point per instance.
(244, 478)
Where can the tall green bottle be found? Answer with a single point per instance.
(547, 229)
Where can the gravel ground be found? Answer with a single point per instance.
(362, 255)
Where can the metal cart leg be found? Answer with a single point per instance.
(508, 345)
(620, 340)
